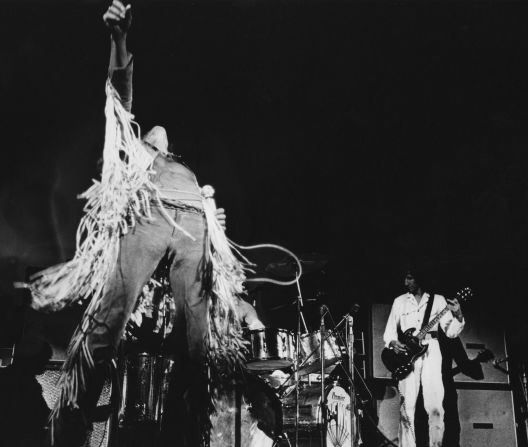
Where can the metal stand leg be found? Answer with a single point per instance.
(524, 390)
(350, 346)
(300, 321)
(323, 397)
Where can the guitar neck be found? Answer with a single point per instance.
(462, 295)
(423, 332)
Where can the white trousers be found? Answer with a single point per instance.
(428, 372)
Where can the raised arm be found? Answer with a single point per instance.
(452, 322)
(118, 19)
(248, 315)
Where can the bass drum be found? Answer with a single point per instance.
(339, 417)
(269, 349)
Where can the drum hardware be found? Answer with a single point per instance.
(332, 414)
(353, 423)
(323, 403)
(298, 416)
(350, 344)
(300, 321)
(524, 394)
(310, 420)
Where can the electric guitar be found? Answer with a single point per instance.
(401, 365)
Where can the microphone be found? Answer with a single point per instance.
(354, 309)
(208, 192)
(323, 310)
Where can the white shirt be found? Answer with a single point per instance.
(407, 313)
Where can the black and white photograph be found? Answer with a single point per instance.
(264, 223)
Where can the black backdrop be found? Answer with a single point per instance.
(365, 131)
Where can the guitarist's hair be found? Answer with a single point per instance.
(421, 273)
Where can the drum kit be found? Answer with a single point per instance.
(315, 404)
(297, 368)
(311, 407)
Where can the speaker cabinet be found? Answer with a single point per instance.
(99, 435)
(486, 417)
(480, 332)
(379, 316)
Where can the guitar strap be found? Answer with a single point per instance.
(428, 308)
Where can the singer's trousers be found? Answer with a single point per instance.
(141, 250)
(427, 373)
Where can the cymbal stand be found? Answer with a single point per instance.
(345, 343)
(300, 321)
(352, 391)
(324, 412)
(348, 319)
(524, 396)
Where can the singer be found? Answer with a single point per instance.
(165, 214)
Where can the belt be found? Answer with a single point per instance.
(179, 206)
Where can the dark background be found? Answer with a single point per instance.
(367, 131)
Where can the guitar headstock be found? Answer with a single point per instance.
(464, 294)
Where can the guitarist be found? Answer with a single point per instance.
(408, 311)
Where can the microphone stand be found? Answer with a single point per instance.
(350, 346)
(324, 309)
(300, 320)
(524, 392)
(350, 373)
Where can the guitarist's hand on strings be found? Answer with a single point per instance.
(397, 346)
(454, 307)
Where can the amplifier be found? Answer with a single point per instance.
(486, 417)
(99, 435)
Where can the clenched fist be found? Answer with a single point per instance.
(118, 18)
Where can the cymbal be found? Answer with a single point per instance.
(310, 262)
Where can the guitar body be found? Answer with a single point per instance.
(401, 365)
